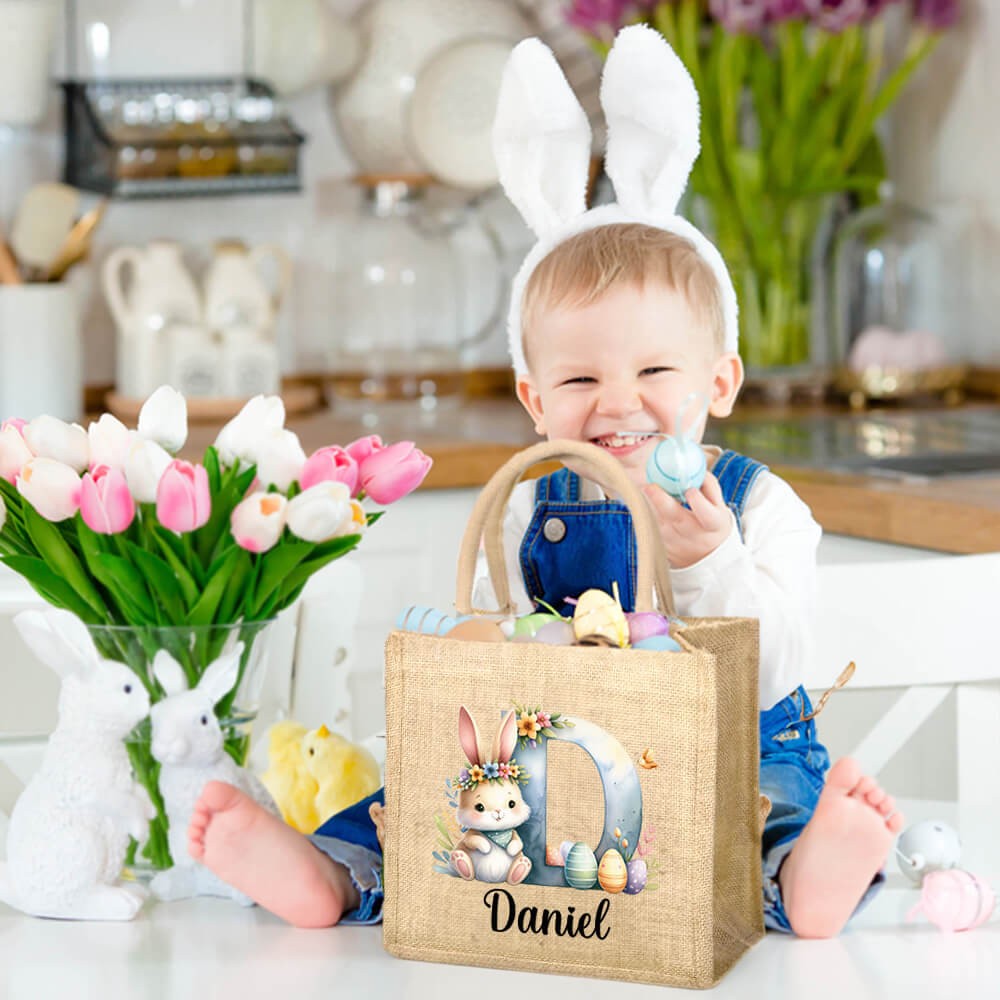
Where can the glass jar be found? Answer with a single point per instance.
(891, 333)
(384, 293)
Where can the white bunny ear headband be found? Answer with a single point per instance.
(541, 140)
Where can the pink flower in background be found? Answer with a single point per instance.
(785, 10)
(390, 473)
(739, 16)
(14, 450)
(258, 521)
(183, 501)
(544, 720)
(837, 15)
(364, 447)
(106, 505)
(937, 15)
(332, 464)
(51, 487)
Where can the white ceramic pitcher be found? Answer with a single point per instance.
(237, 296)
(160, 292)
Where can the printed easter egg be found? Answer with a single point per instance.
(599, 614)
(643, 624)
(556, 633)
(581, 866)
(677, 465)
(553, 856)
(611, 872)
(564, 848)
(954, 900)
(530, 624)
(661, 643)
(637, 876)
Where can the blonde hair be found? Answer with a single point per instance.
(583, 268)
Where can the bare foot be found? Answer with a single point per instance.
(839, 852)
(272, 863)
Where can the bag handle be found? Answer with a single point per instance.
(486, 522)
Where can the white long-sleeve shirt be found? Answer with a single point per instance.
(768, 574)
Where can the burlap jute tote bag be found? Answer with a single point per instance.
(635, 767)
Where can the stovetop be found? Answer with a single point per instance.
(914, 444)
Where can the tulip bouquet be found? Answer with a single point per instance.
(153, 552)
(791, 92)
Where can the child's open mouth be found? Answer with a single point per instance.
(624, 443)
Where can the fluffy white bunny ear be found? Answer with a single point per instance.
(651, 107)
(169, 673)
(541, 139)
(59, 639)
(220, 675)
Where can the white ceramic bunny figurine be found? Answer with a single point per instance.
(70, 828)
(188, 743)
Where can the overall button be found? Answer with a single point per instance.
(554, 529)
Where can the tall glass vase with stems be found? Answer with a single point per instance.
(194, 647)
(791, 92)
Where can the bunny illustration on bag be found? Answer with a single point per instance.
(490, 807)
(70, 828)
(188, 743)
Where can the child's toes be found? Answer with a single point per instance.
(864, 787)
(876, 797)
(887, 805)
(895, 822)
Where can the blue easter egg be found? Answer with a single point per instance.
(677, 465)
(659, 643)
(581, 866)
(429, 621)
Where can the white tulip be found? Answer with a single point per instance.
(144, 466)
(258, 521)
(51, 487)
(321, 512)
(49, 437)
(14, 453)
(279, 459)
(109, 440)
(241, 437)
(163, 419)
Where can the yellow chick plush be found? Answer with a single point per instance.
(288, 779)
(344, 772)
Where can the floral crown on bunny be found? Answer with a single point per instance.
(498, 763)
(542, 143)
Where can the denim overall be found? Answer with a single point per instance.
(572, 545)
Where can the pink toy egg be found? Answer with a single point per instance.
(556, 633)
(643, 624)
(954, 900)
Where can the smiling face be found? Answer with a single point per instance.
(614, 371)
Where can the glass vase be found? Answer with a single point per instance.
(776, 276)
(194, 648)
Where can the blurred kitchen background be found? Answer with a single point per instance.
(393, 99)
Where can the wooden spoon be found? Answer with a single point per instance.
(76, 246)
(9, 273)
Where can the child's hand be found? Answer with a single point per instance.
(691, 534)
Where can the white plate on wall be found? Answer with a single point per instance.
(450, 112)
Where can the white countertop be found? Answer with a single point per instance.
(214, 948)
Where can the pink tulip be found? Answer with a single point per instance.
(51, 487)
(183, 501)
(364, 447)
(332, 464)
(106, 505)
(14, 450)
(258, 521)
(390, 473)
